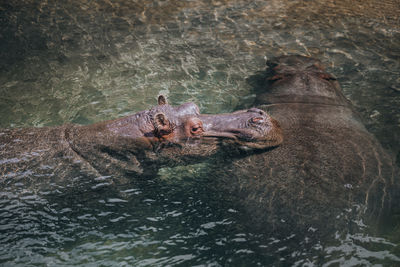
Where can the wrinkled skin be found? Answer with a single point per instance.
(328, 174)
(136, 145)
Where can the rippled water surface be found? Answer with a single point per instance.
(87, 61)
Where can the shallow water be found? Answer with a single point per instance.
(87, 61)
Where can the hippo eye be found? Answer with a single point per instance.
(194, 127)
(197, 129)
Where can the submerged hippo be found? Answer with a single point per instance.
(136, 145)
(328, 168)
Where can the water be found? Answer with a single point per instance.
(88, 61)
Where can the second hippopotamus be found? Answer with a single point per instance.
(328, 174)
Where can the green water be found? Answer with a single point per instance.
(87, 61)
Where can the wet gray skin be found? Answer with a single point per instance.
(136, 145)
(329, 173)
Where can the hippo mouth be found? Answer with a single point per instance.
(235, 134)
(248, 138)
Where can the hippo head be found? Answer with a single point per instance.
(300, 79)
(166, 136)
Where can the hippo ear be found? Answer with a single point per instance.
(162, 100)
(162, 126)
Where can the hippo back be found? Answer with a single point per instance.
(328, 173)
(328, 166)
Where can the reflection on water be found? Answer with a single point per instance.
(159, 223)
(149, 224)
(88, 61)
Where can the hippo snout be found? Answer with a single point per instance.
(252, 128)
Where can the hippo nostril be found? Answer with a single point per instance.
(257, 110)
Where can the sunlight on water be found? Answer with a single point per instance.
(88, 61)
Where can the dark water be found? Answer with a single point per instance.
(87, 61)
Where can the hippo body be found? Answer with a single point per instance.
(328, 175)
(136, 145)
(36, 154)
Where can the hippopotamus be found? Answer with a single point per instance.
(328, 172)
(136, 145)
